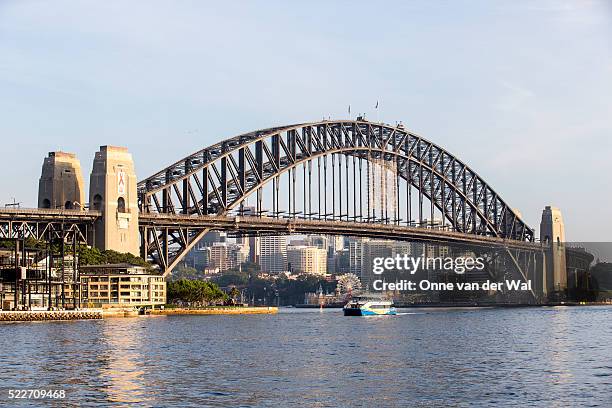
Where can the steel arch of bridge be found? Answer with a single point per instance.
(217, 179)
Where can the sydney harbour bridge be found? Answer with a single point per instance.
(345, 177)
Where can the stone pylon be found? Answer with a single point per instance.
(61, 182)
(112, 191)
(552, 233)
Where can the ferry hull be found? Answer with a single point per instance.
(366, 312)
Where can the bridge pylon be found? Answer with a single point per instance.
(61, 182)
(112, 191)
(552, 235)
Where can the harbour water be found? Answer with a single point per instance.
(303, 357)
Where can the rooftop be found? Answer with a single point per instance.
(118, 268)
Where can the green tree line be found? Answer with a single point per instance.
(93, 256)
(195, 292)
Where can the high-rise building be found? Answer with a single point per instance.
(212, 237)
(254, 243)
(374, 249)
(339, 264)
(335, 243)
(356, 256)
(220, 256)
(318, 241)
(307, 259)
(226, 256)
(240, 253)
(273, 254)
(382, 186)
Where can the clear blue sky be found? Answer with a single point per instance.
(522, 91)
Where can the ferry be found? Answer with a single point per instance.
(369, 306)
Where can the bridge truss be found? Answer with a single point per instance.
(368, 175)
(47, 225)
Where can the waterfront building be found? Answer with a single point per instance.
(27, 287)
(320, 298)
(121, 285)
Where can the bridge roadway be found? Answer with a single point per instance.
(252, 225)
(44, 214)
(43, 223)
(33, 220)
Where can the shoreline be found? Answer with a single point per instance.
(214, 311)
(99, 314)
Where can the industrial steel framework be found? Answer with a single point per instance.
(340, 162)
(47, 225)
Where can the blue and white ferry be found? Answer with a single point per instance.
(369, 306)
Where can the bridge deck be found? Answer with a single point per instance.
(42, 214)
(269, 225)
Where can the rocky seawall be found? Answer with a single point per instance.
(32, 316)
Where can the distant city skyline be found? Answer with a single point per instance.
(518, 90)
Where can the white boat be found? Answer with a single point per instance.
(369, 306)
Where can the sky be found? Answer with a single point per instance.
(521, 91)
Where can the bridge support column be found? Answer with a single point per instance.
(112, 191)
(61, 182)
(552, 233)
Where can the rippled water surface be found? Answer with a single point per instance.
(426, 357)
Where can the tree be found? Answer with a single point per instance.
(234, 293)
(93, 256)
(185, 272)
(195, 292)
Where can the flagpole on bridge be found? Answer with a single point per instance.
(377, 118)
